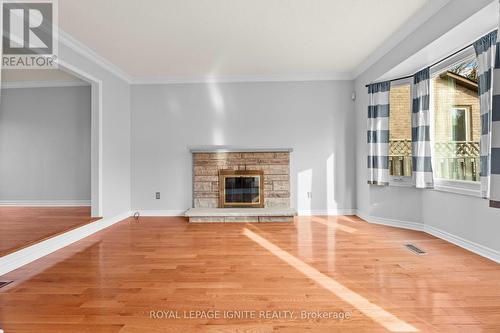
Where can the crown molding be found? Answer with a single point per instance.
(42, 84)
(340, 76)
(90, 54)
(425, 13)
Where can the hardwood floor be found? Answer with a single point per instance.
(23, 226)
(121, 279)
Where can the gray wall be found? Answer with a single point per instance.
(45, 144)
(314, 118)
(115, 128)
(463, 216)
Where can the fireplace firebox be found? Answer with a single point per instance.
(241, 188)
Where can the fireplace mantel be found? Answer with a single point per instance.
(237, 149)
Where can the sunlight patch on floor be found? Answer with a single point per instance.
(351, 219)
(375, 312)
(336, 225)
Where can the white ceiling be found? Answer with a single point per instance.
(185, 39)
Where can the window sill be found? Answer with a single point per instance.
(468, 188)
(472, 189)
(401, 182)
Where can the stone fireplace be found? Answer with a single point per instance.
(275, 167)
(249, 183)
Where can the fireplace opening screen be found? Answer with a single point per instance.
(242, 189)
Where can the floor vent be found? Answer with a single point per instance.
(4, 283)
(415, 249)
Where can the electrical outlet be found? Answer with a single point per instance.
(157, 195)
(309, 195)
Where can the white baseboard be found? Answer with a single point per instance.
(464, 243)
(44, 203)
(391, 222)
(31, 253)
(459, 241)
(151, 212)
(324, 212)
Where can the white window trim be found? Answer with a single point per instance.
(455, 60)
(462, 187)
(403, 181)
(458, 187)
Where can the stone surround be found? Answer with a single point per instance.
(274, 164)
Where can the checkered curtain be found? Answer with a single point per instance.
(495, 131)
(378, 133)
(485, 52)
(421, 145)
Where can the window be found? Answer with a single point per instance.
(461, 123)
(400, 158)
(456, 124)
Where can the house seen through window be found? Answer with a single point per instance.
(400, 159)
(456, 124)
(455, 104)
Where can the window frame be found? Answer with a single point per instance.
(468, 120)
(463, 187)
(403, 181)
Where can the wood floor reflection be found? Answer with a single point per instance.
(120, 279)
(23, 226)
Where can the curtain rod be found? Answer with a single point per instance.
(434, 64)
